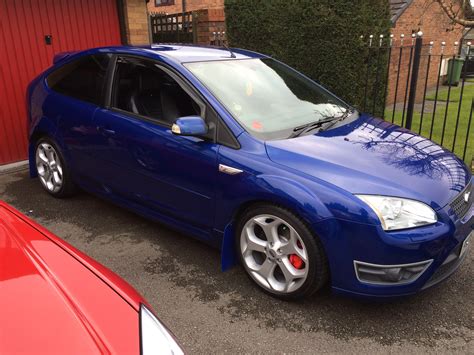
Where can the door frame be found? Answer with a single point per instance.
(221, 133)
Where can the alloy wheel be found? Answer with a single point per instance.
(274, 254)
(49, 167)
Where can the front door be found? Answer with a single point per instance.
(173, 175)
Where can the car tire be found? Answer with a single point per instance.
(280, 253)
(52, 170)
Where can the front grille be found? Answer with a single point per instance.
(459, 204)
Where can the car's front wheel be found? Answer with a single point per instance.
(52, 170)
(280, 253)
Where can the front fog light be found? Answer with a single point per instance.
(155, 338)
(390, 274)
(399, 213)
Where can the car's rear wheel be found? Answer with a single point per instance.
(280, 253)
(52, 170)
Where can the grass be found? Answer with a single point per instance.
(424, 127)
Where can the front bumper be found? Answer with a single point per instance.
(440, 244)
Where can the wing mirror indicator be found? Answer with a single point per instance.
(189, 126)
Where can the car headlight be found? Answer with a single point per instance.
(155, 338)
(400, 213)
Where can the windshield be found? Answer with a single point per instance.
(268, 98)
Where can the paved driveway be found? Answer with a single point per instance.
(215, 312)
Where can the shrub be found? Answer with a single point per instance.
(321, 38)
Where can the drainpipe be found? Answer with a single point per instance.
(148, 21)
(184, 6)
(122, 25)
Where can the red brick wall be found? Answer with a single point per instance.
(191, 5)
(428, 17)
(209, 21)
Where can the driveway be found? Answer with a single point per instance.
(215, 312)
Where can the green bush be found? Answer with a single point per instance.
(321, 38)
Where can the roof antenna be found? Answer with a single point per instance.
(224, 44)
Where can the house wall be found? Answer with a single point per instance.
(428, 17)
(136, 22)
(191, 5)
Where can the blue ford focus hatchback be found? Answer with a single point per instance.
(250, 156)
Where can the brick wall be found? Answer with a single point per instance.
(428, 17)
(210, 16)
(191, 5)
(209, 21)
(136, 22)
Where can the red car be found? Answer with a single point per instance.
(56, 300)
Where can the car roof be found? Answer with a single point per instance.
(192, 53)
(184, 53)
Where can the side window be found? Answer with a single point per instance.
(142, 88)
(83, 79)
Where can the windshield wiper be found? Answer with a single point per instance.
(338, 119)
(298, 131)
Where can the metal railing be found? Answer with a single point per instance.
(407, 83)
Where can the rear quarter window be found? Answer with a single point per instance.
(83, 79)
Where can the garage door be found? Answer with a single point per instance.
(31, 33)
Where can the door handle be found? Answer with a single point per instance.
(105, 131)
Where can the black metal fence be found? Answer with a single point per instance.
(174, 28)
(419, 86)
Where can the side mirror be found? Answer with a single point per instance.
(189, 126)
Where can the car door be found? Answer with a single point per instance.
(147, 164)
(78, 90)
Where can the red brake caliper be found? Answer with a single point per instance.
(295, 260)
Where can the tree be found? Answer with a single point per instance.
(449, 6)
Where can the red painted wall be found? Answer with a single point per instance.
(73, 24)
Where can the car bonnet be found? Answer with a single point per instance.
(371, 156)
(50, 300)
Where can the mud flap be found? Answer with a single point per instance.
(32, 168)
(229, 257)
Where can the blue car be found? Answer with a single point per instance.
(250, 156)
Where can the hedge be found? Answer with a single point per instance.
(321, 38)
